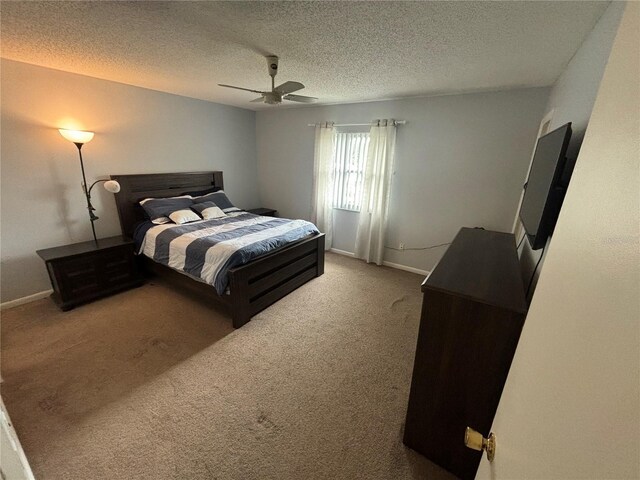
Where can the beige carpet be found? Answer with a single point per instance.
(155, 383)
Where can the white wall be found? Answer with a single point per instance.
(137, 131)
(460, 162)
(573, 95)
(570, 407)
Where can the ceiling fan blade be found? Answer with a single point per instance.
(288, 87)
(300, 98)
(256, 100)
(240, 88)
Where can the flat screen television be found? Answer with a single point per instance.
(544, 190)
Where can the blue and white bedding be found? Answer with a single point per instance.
(207, 249)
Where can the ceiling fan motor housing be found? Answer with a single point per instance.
(272, 98)
(272, 63)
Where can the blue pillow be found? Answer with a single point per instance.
(208, 210)
(159, 209)
(200, 207)
(220, 199)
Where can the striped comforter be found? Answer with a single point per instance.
(207, 249)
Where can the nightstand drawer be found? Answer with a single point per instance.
(118, 266)
(77, 276)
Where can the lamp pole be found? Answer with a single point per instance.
(79, 138)
(92, 216)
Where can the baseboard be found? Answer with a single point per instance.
(342, 252)
(385, 263)
(23, 300)
(406, 268)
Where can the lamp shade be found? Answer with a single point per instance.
(76, 136)
(112, 186)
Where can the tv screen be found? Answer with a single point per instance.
(543, 193)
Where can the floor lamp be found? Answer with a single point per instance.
(79, 138)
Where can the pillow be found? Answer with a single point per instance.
(219, 199)
(208, 210)
(158, 209)
(184, 216)
(203, 192)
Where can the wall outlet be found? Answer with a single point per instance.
(401, 246)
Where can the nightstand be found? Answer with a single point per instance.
(82, 272)
(265, 212)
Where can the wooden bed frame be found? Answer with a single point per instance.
(253, 286)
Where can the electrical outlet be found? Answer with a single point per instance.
(401, 246)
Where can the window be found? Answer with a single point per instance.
(349, 162)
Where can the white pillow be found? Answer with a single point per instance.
(212, 212)
(184, 216)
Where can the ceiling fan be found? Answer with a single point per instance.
(279, 93)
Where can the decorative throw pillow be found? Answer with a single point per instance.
(158, 209)
(184, 216)
(208, 210)
(219, 199)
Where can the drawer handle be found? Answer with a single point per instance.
(78, 273)
(119, 277)
(117, 262)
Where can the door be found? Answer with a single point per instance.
(13, 463)
(570, 405)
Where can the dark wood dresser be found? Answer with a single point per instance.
(473, 311)
(81, 272)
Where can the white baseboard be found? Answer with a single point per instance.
(23, 300)
(407, 268)
(385, 263)
(342, 252)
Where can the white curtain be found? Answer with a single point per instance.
(372, 223)
(322, 212)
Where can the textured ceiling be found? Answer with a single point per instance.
(342, 51)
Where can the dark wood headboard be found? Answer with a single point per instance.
(134, 188)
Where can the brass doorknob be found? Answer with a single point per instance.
(476, 441)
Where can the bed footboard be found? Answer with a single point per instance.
(255, 286)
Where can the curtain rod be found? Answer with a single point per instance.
(398, 122)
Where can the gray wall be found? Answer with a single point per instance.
(137, 131)
(572, 98)
(460, 162)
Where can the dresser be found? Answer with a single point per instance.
(85, 271)
(473, 311)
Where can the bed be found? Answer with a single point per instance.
(253, 286)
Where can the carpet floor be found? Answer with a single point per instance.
(154, 383)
